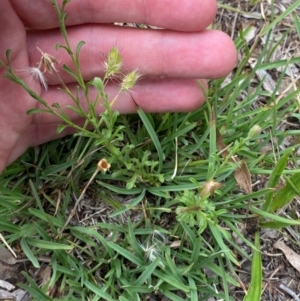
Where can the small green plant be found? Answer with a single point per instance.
(162, 214)
(198, 210)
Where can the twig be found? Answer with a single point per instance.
(289, 291)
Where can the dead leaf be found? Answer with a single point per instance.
(10, 269)
(175, 244)
(45, 274)
(291, 256)
(222, 147)
(243, 177)
(242, 174)
(11, 273)
(7, 256)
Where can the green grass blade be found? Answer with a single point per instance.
(287, 193)
(48, 244)
(29, 253)
(98, 291)
(194, 295)
(172, 280)
(255, 288)
(274, 217)
(123, 252)
(289, 10)
(153, 136)
(274, 178)
(297, 23)
(147, 272)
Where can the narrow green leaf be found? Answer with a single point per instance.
(123, 252)
(174, 270)
(297, 23)
(78, 48)
(28, 253)
(194, 294)
(98, 291)
(272, 25)
(132, 239)
(36, 111)
(286, 194)
(153, 136)
(275, 217)
(173, 296)
(71, 72)
(147, 272)
(48, 244)
(36, 196)
(127, 207)
(61, 128)
(275, 176)
(8, 226)
(46, 217)
(116, 189)
(36, 293)
(273, 225)
(172, 280)
(255, 288)
(76, 110)
(7, 54)
(218, 237)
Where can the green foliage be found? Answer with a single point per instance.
(149, 227)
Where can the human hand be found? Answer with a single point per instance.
(171, 61)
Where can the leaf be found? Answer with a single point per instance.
(286, 194)
(28, 253)
(153, 135)
(291, 256)
(222, 147)
(255, 287)
(48, 244)
(243, 177)
(242, 174)
(274, 178)
(280, 17)
(35, 111)
(78, 48)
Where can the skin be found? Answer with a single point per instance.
(170, 60)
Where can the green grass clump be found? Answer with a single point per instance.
(161, 214)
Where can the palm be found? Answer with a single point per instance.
(170, 60)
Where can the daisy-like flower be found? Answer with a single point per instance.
(103, 165)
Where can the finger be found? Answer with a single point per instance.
(159, 53)
(37, 135)
(13, 120)
(163, 95)
(192, 15)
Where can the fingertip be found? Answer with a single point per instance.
(225, 54)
